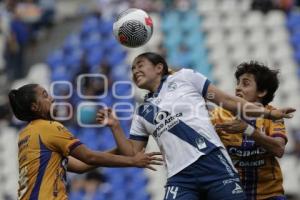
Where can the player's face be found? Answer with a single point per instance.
(43, 102)
(246, 88)
(144, 73)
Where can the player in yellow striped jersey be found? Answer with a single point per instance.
(254, 146)
(47, 149)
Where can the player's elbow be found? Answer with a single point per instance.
(279, 152)
(90, 159)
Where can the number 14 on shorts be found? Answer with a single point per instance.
(171, 190)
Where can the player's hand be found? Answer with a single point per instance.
(107, 117)
(234, 126)
(145, 160)
(280, 113)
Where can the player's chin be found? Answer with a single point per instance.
(141, 84)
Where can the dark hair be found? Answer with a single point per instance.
(265, 78)
(21, 100)
(155, 59)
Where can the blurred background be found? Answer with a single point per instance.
(44, 41)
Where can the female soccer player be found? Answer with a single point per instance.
(254, 147)
(45, 146)
(174, 113)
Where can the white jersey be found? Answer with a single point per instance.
(177, 117)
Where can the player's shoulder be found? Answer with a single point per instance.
(46, 124)
(184, 73)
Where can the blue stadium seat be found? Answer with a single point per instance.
(118, 195)
(173, 39)
(56, 59)
(60, 74)
(106, 27)
(293, 21)
(90, 25)
(110, 44)
(141, 195)
(95, 56)
(190, 22)
(72, 60)
(169, 21)
(72, 42)
(297, 56)
(116, 57)
(87, 136)
(94, 40)
(120, 72)
(295, 40)
(76, 195)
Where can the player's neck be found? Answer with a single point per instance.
(154, 85)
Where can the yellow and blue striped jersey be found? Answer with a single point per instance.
(259, 171)
(43, 149)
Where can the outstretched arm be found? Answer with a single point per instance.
(233, 104)
(77, 166)
(96, 158)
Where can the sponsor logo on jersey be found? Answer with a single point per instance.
(172, 86)
(240, 152)
(253, 163)
(201, 143)
(165, 121)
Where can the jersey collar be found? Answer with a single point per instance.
(155, 94)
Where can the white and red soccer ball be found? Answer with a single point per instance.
(133, 28)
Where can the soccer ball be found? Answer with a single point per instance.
(133, 27)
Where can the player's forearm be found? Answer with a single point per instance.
(237, 104)
(273, 145)
(124, 145)
(77, 166)
(104, 159)
(114, 151)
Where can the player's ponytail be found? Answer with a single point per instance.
(21, 100)
(155, 59)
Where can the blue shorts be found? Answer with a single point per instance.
(211, 177)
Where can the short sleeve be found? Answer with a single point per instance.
(198, 80)
(59, 139)
(138, 131)
(219, 115)
(277, 129)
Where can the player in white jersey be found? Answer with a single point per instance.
(175, 114)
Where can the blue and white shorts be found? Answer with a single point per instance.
(211, 177)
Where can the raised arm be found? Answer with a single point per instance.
(125, 146)
(233, 104)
